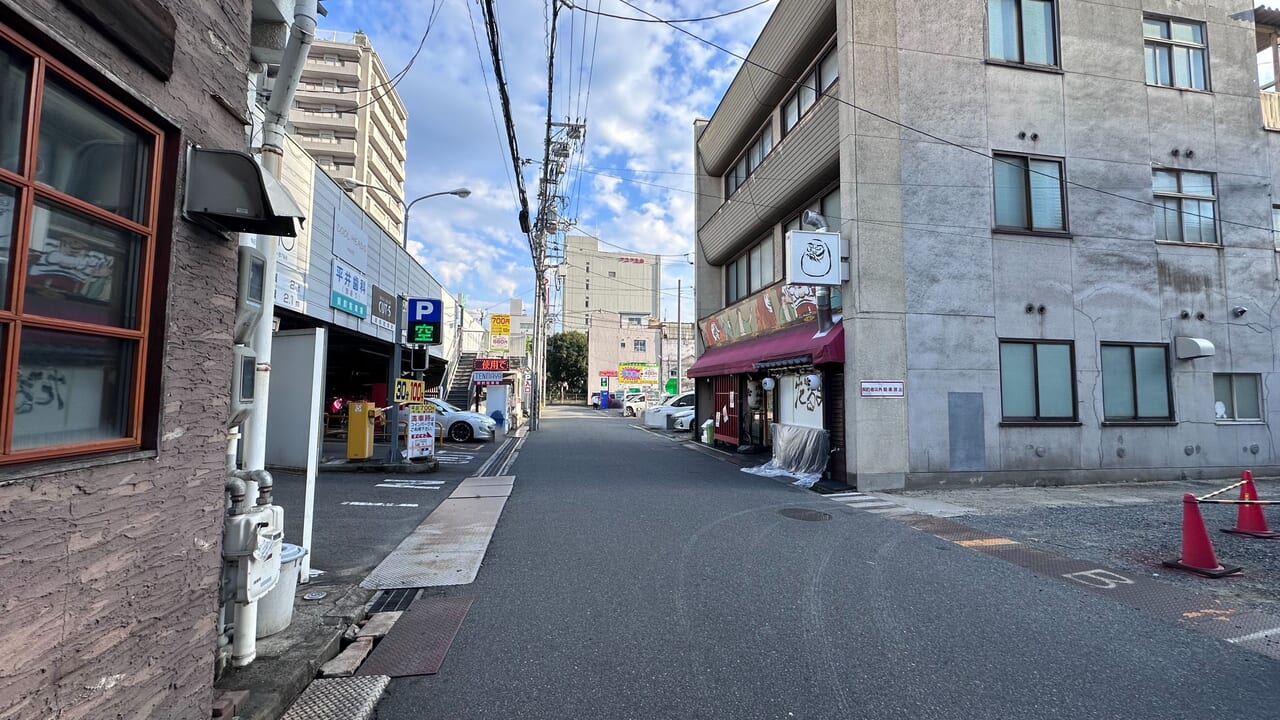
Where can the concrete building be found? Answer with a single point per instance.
(350, 118)
(113, 440)
(592, 279)
(612, 341)
(1059, 233)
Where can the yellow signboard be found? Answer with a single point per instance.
(410, 391)
(500, 324)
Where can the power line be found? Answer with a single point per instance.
(904, 126)
(495, 49)
(570, 5)
(395, 82)
(488, 93)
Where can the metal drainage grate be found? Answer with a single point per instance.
(804, 514)
(393, 600)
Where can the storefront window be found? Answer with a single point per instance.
(77, 231)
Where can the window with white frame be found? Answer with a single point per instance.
(1176, 53)
(1237, 396)
(752, 272)
(1275, 225)
(750, 160)
(1023, 32)
(638, 345)
(1029, 193)
(816, 82)
(1135, 383)
(1037, 381)
(1185, 207)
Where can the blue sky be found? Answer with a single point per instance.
(648, 83)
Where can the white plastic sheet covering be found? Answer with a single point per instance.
(798, 452)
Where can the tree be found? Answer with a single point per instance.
(567, 361)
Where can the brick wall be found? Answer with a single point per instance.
(109, 574)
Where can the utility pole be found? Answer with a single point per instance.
(679, 347)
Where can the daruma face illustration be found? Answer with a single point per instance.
(816, 261)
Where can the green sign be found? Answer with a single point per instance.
(673, 386)
(424, 333)
(604, 382)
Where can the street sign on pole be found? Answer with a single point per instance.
(424, 321)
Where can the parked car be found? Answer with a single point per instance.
(634, 403)
(461, 425)
(683, 419)
(657, 416)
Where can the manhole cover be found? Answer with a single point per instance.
(803, 514)
(315, 596)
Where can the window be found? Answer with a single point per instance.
(1185, 208)
(750, 160)
(1175, 51)
(1029, 193)
(329, 84)
(586, 302)
(828, 206)
(750, 273)
(78, 229)
(1275, 225)
(821, 77)
(588, 285)
(1135, 382)
(1022, 32)
(613, 274)
(1236, 396)
(1037, 381)
(638, 345)
(329, 109)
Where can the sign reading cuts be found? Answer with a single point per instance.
(384, 306)
(424, 321)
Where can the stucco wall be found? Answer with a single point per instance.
(110, 572)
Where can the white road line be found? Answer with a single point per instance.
(377, 504)
(413, 482)
(410, 487)
(868, 502)
(1255, 636)
(844, 494)
(895, 510)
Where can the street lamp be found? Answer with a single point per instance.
(393, 370)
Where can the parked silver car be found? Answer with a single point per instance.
(461, 425)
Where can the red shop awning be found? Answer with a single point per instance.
(797, 344)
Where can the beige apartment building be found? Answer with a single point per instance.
(349, 117)
(593, 280)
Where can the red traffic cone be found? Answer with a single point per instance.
(1197, 551)
(1250, 520)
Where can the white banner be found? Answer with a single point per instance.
(500, 343)
(422, 434)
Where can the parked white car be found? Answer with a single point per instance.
(633, 404)
(657, 416)
(683, 420)
(461, 425)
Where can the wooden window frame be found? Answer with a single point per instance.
(150, 229)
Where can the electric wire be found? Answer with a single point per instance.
(925, 133)
(488, 93)
(569, 4)
(436, 7)
(491, 31)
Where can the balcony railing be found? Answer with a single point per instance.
(1270, 110)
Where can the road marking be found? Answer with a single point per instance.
(411, 484)
(454, 458)
(1255, 636)
(1099, 578)
(376, 504)
(986, 542)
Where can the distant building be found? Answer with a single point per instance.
(617, 282)
(350, 118)
(611, 341)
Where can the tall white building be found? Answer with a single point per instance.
(617, 282)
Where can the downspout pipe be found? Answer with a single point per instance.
(301, 35)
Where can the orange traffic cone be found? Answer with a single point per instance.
(1197, 551)
(1250, 520)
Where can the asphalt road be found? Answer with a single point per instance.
(632, 577)
(361, 517)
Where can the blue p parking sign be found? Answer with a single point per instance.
(424, 321)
